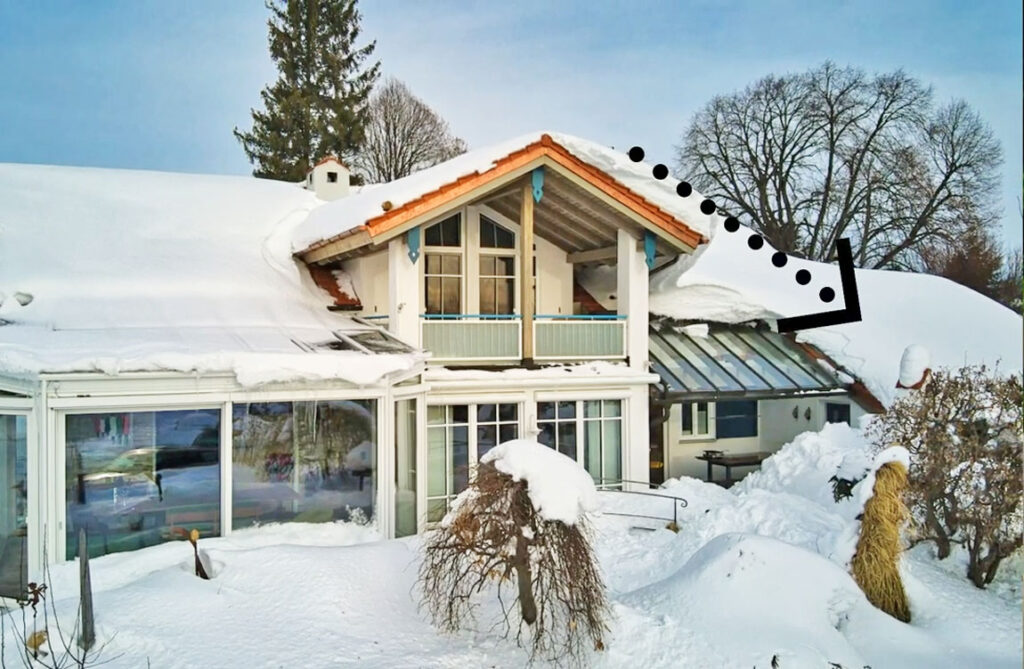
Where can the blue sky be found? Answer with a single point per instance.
(159, 85)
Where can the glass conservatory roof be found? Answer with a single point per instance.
(736, 361)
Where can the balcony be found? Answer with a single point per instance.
(472, 337)
(560, 337)
(498, 338)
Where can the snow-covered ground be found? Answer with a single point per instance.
(755, 573)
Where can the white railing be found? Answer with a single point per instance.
(597, 337)
(472, 337)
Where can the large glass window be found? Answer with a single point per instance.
(602, 425)
(459, 435)
(405, 468)
(303, 461)
(443, 283)
(13, 506)
(736, 418)
(141, 478)
(494, 236)
(447, 456)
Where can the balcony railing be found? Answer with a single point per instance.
(594, 337)
(472, 337)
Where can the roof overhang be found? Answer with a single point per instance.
(506, 172)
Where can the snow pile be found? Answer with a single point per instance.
(914, 363)
(148, 271)
(559, 487)
(342, 215)
(726, 281)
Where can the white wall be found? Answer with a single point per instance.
(370, 279)
(775, 428)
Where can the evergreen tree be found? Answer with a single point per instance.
(318, 105)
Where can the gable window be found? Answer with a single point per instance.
(695, 422)
(837, 412)
(497, 268)
(737, 418)
(443, 267)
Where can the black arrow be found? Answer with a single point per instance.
(851, 311)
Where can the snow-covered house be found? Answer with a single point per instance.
(182, 351)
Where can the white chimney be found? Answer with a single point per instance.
(328, 179)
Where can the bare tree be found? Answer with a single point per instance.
(492, 538)
(812, 157)
(403, 135)
(963, 430)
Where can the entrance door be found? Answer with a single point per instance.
(13, 506)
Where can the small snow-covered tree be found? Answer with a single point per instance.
(522, 524)
(963, 429)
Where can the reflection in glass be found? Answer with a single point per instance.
(303, 461)
(142, 478)
(13, 506)
(405, 467)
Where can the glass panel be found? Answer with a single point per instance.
(436, 509)
(701, 361)
(612, 408)
(737, 418)
(143, 478)
(460, 413)
(303, 461)
(799, 359)
(837, 412)
(702, 417)
(791, 369)
(504, 297)
(686, 409)
(432, 304)
(732, 363)
(486, 413)
(451, 295)
(13, 507)
(487, 300)
(487, 265)
(678, 366)
(592, 408)
(754, 360)
(567, 439)
(545, 410)
(493, 235)
(451, 265)
(611, 447)
(444, 233)
(507, 433)
(405, 468)
(378, 342)
(508, 412)
(566, 410)
(547, 434)
(433, 263)
(460, 458)
(435, 415)
(592, 449)
(437, 461)
(504, 266)
(486, 439)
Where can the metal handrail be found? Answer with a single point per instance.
(678, 502)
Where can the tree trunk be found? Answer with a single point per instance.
(527, 604)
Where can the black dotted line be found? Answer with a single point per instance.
(732, 224)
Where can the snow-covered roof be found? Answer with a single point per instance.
(726, 281)
(132, 271)
(348, 213)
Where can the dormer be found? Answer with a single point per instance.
(329, 179)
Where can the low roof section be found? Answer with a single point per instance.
(717, 362)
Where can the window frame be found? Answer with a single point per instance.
(710, 435)
(472, 443)
(580, 420)
(435, 251)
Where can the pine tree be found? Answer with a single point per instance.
(318, 105)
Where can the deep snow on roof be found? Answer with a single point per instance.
(134, 270)
(347, 213)
(726, 281)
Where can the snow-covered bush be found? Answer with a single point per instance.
(521, 521)
(963, 431)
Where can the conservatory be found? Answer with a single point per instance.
(139, 457)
